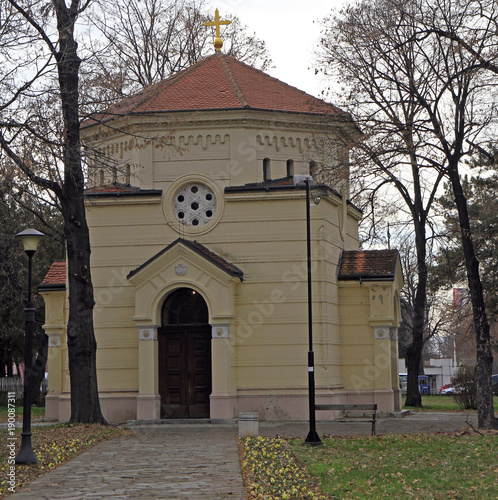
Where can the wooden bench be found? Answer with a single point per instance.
(364, 408)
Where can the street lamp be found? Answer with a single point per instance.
(30, 239)
(312, 438)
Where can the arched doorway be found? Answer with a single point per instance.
(184, 356)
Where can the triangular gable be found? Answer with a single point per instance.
(200, 250)
(185, 263)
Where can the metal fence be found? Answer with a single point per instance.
(15, 384)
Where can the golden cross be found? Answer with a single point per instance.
(218, 42)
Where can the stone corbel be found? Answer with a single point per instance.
(381, 333)
(147, 333)
(385, 333)
(220, 331)
(54, 340)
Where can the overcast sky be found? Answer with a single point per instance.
(287, 28)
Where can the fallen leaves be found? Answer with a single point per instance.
(53, 446)
(270, 471)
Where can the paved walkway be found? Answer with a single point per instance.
(191, 461)
(415, 423)
(170, 462)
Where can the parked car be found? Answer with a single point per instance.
(443, 387)
(450, 389)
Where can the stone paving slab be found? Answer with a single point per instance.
(196, 461)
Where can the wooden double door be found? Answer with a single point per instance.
(184, 361)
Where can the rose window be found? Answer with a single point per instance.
(194, 205)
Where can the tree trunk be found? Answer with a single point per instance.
(82, 346)
(413, 357)
(414, 351)
(10, 366)
(484, 355)
(39, 365)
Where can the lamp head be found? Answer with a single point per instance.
(30, 239)
(300, 181)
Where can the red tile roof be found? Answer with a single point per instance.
(368, 264)
(56, 275)
(219, 82)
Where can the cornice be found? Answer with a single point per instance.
(174, 122)
(122, 200)
(252, 193)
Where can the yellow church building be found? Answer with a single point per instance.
(199, 247)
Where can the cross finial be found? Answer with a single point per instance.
(218, 42)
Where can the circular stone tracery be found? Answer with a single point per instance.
(194, 205)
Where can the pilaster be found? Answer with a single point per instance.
(223, 399)
(148, 400)
(55, 328)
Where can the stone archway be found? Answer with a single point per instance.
(184, 352)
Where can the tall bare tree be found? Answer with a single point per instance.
(480, 191)
(462, 82)
(419, 107)
(41, 67)
(394, 153)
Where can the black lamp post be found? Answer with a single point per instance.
(312, 438)
(30, 239)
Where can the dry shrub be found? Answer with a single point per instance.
(464, 382)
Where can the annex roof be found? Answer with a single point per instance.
(55, 279)
(368, 265)
(218, 82)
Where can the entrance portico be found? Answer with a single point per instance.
(185, 268)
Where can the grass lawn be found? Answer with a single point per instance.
(459, 465)
(416, 466)
(53, 446)
(425, 466)
(36, 412)
(439, 402)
